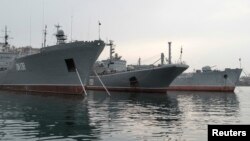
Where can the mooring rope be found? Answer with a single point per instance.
(83, 88)
(102, 83)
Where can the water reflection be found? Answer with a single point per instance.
(224, 104)
(44, 117)
(134, 115)
(203, 108)
(123, 116)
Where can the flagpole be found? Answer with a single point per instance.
(240, 62)
(99, 30)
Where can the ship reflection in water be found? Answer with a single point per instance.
(123, 116)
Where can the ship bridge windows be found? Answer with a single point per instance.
(70, 65)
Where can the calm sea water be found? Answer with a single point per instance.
(123, 116)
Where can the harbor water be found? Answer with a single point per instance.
(121, 116)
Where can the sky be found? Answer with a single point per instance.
(211, 32)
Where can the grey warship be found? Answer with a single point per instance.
(208, 79)
(114, 75)
(61, 68)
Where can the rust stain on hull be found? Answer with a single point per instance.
(44, 88)
(202, 88)
(79, 89)
(128, 89)
(164, 90)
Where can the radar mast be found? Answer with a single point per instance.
(60, 36)
(112, 49)
(6, 37)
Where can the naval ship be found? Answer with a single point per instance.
(113, 74)
(60, 68)
(207, 79)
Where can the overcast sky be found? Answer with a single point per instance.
(211, 32)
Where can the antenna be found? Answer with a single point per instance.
(57, 27)
(181, 55)
(88, 30)
(43, 12)
(44, 36)
(30, 31)
(240, 62)
(30, 23)
(71, 28)
(99, 30)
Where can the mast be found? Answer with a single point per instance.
(44, 36)
(162, 58)
(181, 55)
(169, 53)
(99, 30)
(6, 37)
(111, 50)
(139, 61)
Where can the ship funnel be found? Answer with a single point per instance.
(169, 53)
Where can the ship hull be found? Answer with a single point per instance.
(51, 71)
(202, 88)
(148, 80)
(218, 81)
